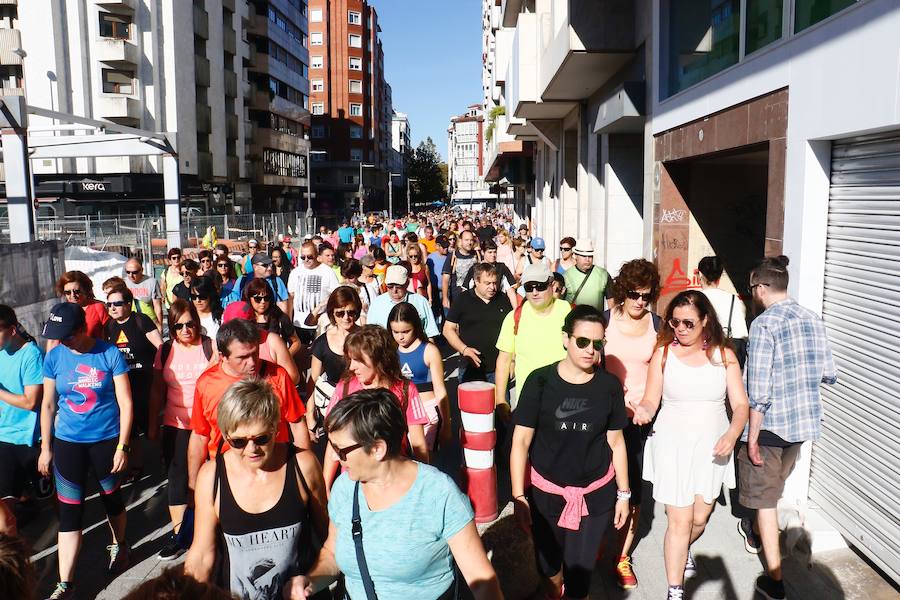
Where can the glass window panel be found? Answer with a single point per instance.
(764, 20)
(703, 40)
(810, 12)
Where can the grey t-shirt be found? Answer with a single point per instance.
(145, 292)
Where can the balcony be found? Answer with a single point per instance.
(10, 39)
(204, 119)
(16, 91)
(510, 10)
(201, 22)
(522, 98)
(112, 4)
(231, 126)
(201, 71)
(204, 165)
(229, 40)
(259, 25)
(118, 107)
(229, 4)
(231, 85)
(117, 53)
(249, 131)
(583, 44)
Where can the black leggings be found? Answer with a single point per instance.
(575, 552)
(175, 447)
(71, 462)
(18, 466)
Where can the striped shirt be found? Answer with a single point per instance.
(788, 358)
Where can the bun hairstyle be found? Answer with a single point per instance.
(773, 272)
(711, 268)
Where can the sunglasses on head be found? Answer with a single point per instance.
(241, 443)
(675, 323)
(343, 452)
(633, 295)
(180, 326)
(583, 342)
(536, 286)
(261, 298)
(116, 303)
(73, 292)
(132, 272)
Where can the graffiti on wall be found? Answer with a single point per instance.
(677, 280)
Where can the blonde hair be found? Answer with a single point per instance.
(246, 401)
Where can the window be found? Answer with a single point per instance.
(810, 12)
(315, 15)
(702, 42)
(355, 40)
(283, 164)
(318, 131)
(355, 109)
(119, 82)
(115, 26)
(355, 63)
(316, 62)
(319, 156)
(283, 90)
(356, 132)
(351, 179)
(286, 126)
(356, 154)
(317, 85)
(316, 38)
(354, 18)
(282, 22)
(356, 86)
(318, 108)
(278, 53)
(764, 20)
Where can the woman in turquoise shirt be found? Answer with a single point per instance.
(415, 522)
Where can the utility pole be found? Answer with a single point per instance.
(391, 192)
(361, 165)
(409, 181)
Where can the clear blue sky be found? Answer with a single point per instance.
(432, 56)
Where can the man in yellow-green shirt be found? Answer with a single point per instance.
(530, 334)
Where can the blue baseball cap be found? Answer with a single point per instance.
(64, 320)
(538, 244)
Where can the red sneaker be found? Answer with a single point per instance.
(625, 574)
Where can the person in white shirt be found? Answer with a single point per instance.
(309, 286)
(729, 308)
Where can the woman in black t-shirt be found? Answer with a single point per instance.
(569, 422)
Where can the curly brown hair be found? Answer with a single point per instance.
(636, 274)
(374, 345)
(713, 335)
(75, 277)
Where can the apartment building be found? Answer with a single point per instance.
(347, 100)
(676, 129)
(177, 67)
(465, 157)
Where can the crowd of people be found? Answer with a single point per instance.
(297, 393)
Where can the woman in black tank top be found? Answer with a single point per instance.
(257, 503)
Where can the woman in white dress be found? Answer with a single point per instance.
(689, 452)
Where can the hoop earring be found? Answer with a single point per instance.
(706, 344)
(675, 342)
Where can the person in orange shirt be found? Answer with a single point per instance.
(238, 343)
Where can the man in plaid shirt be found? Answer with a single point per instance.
(788, 359)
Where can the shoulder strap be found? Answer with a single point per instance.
(404, 395)
(657, 321)
(664, 357)
(517, 316)
(583, 281)
(207, 347)
(164, 352)
(730, 312)
(346, 388)
(368, 584)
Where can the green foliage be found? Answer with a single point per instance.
(492, 121)
(425, 166)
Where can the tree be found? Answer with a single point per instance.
(425, 166)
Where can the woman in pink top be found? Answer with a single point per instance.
(630, 343)
(373, 363)
(178, 364)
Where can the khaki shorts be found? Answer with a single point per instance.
(762, 487)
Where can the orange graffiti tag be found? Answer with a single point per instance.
(678, 281)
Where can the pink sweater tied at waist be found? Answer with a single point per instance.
(575, 507)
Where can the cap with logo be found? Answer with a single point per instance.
(535, 273)
(261, 259)
(238, 310)
(584, 247)
(65, 318)
(396, 275)
(538, 244)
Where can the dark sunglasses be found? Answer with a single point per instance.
(583, 342)
(340, 314)
(187, 273)
(565, 249)
(261, 298)
(132, 272)
(343, 452)
(308, 257)
(675, 323)
(633, 295)
(220, 265)
(199, 297)
(73, 292)
(241, 443)
(180, 326)
(175, 257)
(205, 260)
(116, 303)
(536, 286)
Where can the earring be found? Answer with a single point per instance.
(675, 342)
(706, 344)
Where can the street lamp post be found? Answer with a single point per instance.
(391, 193)
(309, 193)
(409, 181)
(361, 166)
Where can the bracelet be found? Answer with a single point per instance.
(521, 496)
(124, 448)
(623, 494)
(463, 353)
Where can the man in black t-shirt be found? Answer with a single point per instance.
(486, 232)
(474, 322)
(506, 283)
(457, 266)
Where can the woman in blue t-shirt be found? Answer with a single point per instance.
(21, 362)
(414, 521)
(87, 394)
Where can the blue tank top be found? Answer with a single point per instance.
(413, 366)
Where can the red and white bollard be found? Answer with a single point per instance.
(478, 439)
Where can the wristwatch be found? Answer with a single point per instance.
(124, 448)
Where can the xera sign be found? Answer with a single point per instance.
(94, 186)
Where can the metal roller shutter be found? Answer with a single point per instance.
(855, 475)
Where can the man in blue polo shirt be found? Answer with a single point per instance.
(262, 267)
(397, 279)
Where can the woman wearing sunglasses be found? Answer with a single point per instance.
(76, 287)
(137, 338)
(205, 260)
(177, 365)
(260, 499)
(419, 277)
(569, 423)
(689, 452)
(414, 521)
(206, 300)
(372, 362)
(630, 343)
(328, 364)
(188, 272)
(268, 316)
(224, 278)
